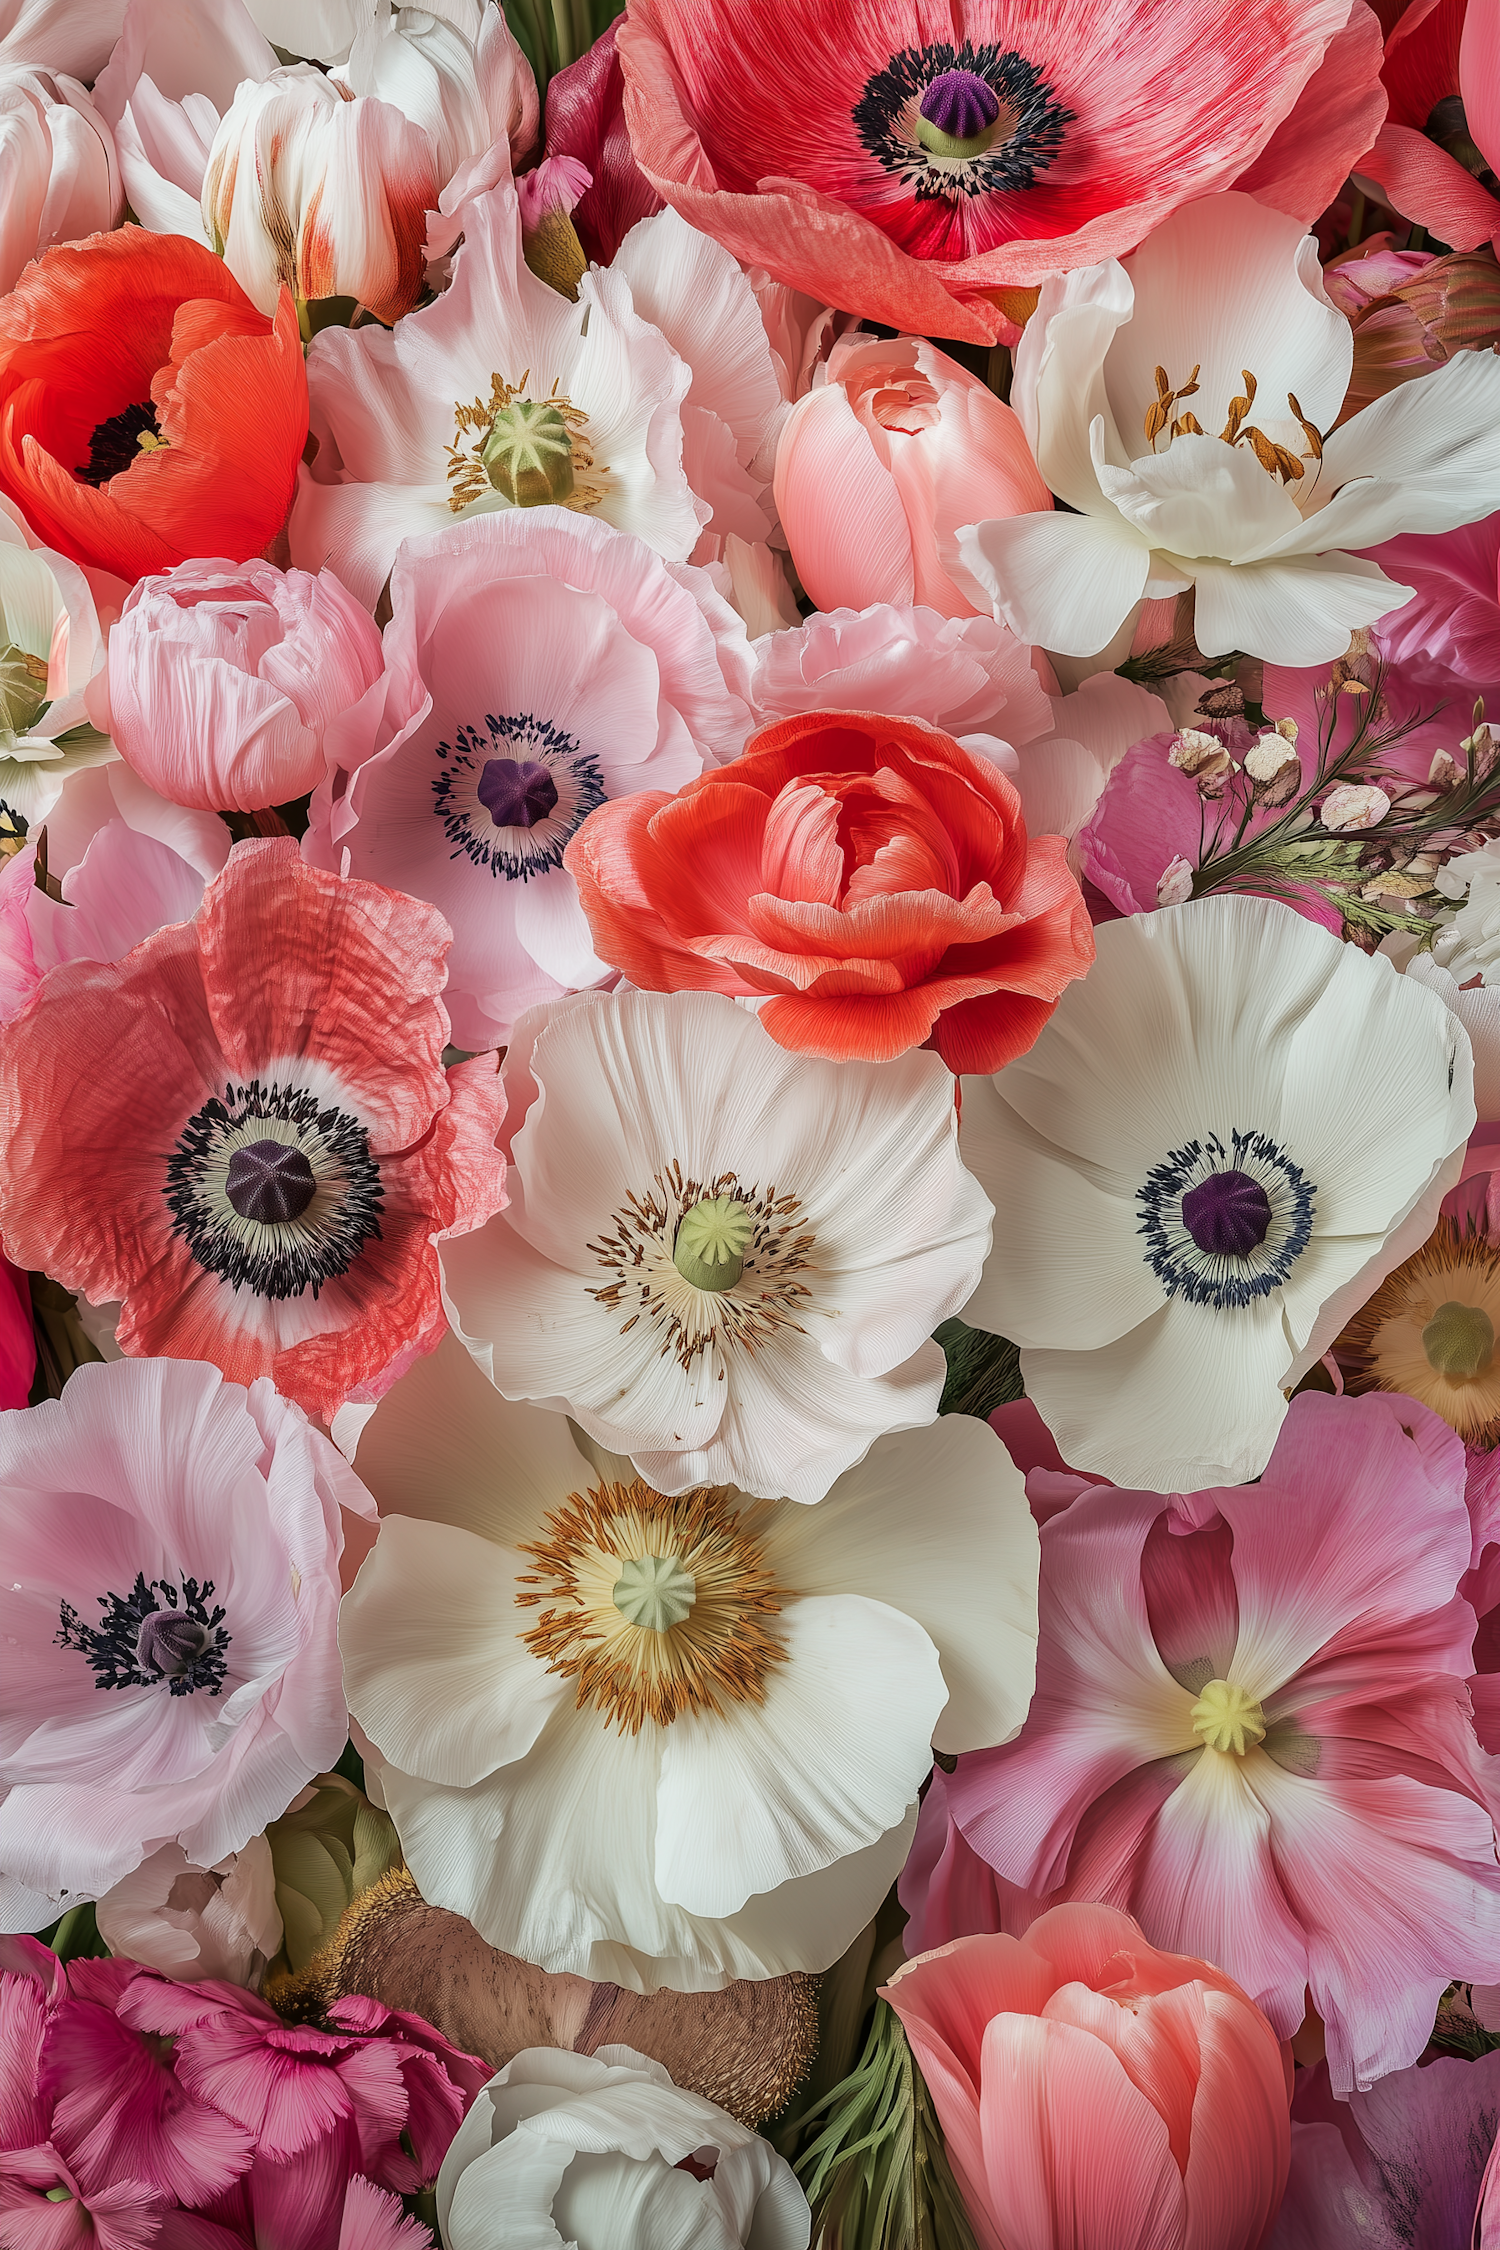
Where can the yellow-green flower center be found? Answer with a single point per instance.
(528, 454)
(1228, 1719)
(655, 1592)
(711, 1241)
(1459, 1341)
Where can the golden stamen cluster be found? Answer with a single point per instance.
(467, 473)
(716, 1656)
(1276, 460)
(1399, 1341)
(636, 1249)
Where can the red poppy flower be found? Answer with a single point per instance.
(868, 878)
(927, 166)
(148, 412)
(244, 1131)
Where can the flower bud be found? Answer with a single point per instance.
(1175, 883)
(1274, 767)
(1411, 312)
(1351, 805)
(330, 1846)
(1205, 758)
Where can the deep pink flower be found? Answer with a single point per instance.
(586, 120)
(1397, 2168)
(1447, 55)
(1252, 1729)
(271, 1146)
(922, 166)
(169, 1617)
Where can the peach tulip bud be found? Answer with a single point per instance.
(894, 449)
(222, 677)
(1092, 2089)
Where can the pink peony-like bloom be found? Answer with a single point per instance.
(1401, 2167)
(1091, 2088)
(223, 676)
(537, 665)
(269, 1164)
(926, 169)
(1252, 1729)
(893, 448)
(172, 1546)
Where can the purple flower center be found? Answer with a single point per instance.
(269, 1181)
(516, 792)
(169, 1643)
(1228, 1215)
(960, 104)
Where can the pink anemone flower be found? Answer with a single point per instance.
(924, 166)
(256, 1103)
(1252, 1729)
(169, 1616)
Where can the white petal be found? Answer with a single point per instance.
(961, 1559)
(1058, 388)
(1297, 610)
(435, 1668)
(1200, 498)
(1426, 457)
(822, 1766)
(1065, 582)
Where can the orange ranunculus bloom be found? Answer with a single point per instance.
(868, 877)
(148, 412)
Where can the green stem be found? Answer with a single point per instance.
(562, 22)
(1356, 217)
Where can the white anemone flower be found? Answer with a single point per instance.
(502, 393)
(1182, 403)
(51, 646)
(721, 1258)
(603, 2152)
(670, 1741)
(1226, 1137)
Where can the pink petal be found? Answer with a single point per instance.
(1423, 182)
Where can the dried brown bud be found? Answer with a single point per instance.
(1275, 768)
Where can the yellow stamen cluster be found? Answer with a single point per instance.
(1429, 1331)
(472, 424)
(620, 1556)
(1228, 1719)
(1276, 460)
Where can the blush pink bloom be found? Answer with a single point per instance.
(269, 1163)
(893, 448)
(172, 1546)
(1442, 77)
(1252, 1729)
(538, 665)
(192, 1922)
(223, 676)
(59, 177)
(926, 169)
(1092, 2089)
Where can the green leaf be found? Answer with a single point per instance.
(984, 1371)
(877, 2175)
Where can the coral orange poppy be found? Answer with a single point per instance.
(148, 412)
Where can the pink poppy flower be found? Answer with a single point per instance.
(538, 665)
(924, 169)
(1442, 77)
(1093, 2089)
(1251, 1729)
(268, 1166)
(172, 1546)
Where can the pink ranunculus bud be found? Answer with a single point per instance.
(223, 676)
(1410, 312)
(1092, 2087)
(899, 440)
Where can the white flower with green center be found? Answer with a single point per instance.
(1227, 1136)
(722, 1258)
(658, 1739)
(51, 645)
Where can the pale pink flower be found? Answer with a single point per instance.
(190, 1922)
(223, 676)
(59, 176)
(172, 1545)
(537, 664)
(893, 448)
(1252, 1731)
(1353, 805)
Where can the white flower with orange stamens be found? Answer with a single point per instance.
(658, 1740)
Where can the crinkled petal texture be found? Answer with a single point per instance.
(793, 139)
(145, 325)
(532, 651)
(153, 1489)
(1343, 1848)
(563, 2147)
(1227, 1036)
(295, 1009)
(867, 879)
(741, 1836)
(1093, 2090)
(861, 1232)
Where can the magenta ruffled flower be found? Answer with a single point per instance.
(1252, 1729)
(169, 1615)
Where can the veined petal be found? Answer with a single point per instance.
(1065, 582)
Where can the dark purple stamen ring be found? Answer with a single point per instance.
(1228, 1215)
(270, 1181)
(516, 792)
(961, 104)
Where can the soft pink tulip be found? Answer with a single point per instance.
(894, 448)
(223, 676)
(1093, 2090)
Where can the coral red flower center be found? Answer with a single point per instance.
(960, 103)
(955, 123)
(1227, 1214)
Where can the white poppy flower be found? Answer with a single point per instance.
(1226, 1137)
(1131, 384)
(603, 2152)
(410, 421)
(722, 1258)
(670, 1741)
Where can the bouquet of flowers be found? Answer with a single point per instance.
(749, 1125)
